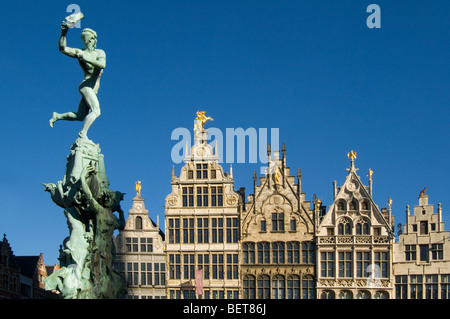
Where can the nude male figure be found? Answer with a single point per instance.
(92, 62)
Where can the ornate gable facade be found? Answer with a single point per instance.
(277, 253)
(354, 243)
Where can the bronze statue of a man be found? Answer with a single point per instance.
(92, 62)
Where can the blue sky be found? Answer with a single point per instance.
(312, 69)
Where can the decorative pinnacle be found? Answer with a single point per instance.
(389, 203)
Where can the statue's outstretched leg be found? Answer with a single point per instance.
(79, 115)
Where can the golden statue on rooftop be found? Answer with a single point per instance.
(201, 120)
(138, 188)
(351, 155)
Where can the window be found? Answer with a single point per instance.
(202, 171)
(327, 264)
(203, 264)
(293, 225)
(132, 244)
(293, 287)
(424, 253)
(138, 223)
(217, 230)
(146, 274)
(278, 253)
(345, 294)
(133, 274)
(263, 225)
(437, 251)
(308, 287)
(249, 287)
(217, 266)
(217, 196)
(327, 294)
(414, 228)
(344, 228)
(232, 266)
(431, 286)
(232, 230)
(345, 264)
(278, 287)
(277, 221)
(362, 228)
(249, 253)
(308, 253)
(263, 253)
(445, 286)
(364, 206)
(415, 287)
(188, 230)
(401, 287)
(202, 196)
(410, 252)
(362, 264)
(175, 266)
(146, 245)
(188, 196)
(382, 261)
(189, 266)
(424, 227)
(202, 230)
(293, 252)
(263, 287)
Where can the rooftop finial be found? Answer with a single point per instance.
(352, 155)
(138, 188)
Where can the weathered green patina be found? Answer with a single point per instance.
(87, 255)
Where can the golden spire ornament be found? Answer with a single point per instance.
(138, 188)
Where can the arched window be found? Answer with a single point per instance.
(308, 287)
(362, 228)
(264, 287)
(353, 205)
(363, 295)
(249, 287)
(340, 205)
(278, 287)
(138, 222)
(293, 287)
(327, 294)
(381, 295)
(345, 294)
(365, 206)
(344, 227)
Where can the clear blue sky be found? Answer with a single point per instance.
(313, 69)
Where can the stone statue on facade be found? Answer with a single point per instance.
(87, 254)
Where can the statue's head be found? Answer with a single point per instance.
(89, 38)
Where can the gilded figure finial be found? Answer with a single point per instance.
(138, 188)
(351, 155)
(201, 120)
